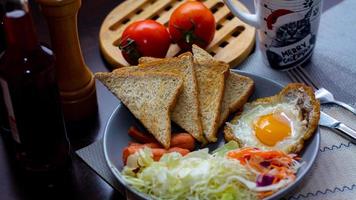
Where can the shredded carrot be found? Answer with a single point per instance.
(274, 163)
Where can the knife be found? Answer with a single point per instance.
(330, 122)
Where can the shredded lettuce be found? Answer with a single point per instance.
(221, 151)
(228, 173)
(198, 175)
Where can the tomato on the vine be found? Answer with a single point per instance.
(144, 38)
(192, 23)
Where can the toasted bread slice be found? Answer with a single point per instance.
(144, 60)
(296, 94)
(186, 113)
(150, 96)
(237, 91)
(211, 85)
(238, 88)
(211, 75)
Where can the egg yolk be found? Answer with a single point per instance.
(272, 128)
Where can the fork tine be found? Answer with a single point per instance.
(296, 76)
(300, 75)
(307, 76)
(292, 76)
(305, 80)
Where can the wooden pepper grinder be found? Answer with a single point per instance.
(76, 82)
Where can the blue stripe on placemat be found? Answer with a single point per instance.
(325, 192)
(335, 147)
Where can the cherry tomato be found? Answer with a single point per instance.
(144, 38)
(192, 23)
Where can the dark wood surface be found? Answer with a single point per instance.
(80, 182)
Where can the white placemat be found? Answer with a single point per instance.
(333, 175)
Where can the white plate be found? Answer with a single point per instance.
(116, 138)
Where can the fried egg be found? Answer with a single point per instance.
(281, 122)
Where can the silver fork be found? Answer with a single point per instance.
(298, 74)
(325, 97)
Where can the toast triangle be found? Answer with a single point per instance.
(186, 112)
(150, 96)
(211, 83)
(238, 88)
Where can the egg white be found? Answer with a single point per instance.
(244, 128)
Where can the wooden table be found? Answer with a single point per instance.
(82, 182)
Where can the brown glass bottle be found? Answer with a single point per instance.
(4, 124)
(31, 95)
(2, 34)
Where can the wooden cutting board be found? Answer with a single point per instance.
(232, 43)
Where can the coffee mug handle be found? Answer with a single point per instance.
(252, 19)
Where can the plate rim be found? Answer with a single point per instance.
(279, 194)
